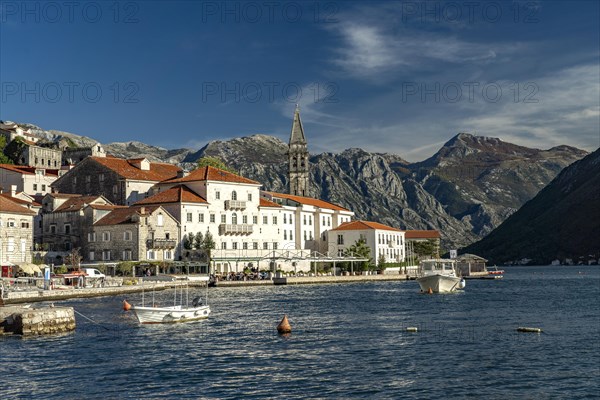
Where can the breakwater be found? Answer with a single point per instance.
(27, 321)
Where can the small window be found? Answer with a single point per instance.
(201, 218)
(43, 188)
(244, 219)
(101, 178)
(234, 195)
(212, 218)
(265, 246)
(340, 239)
(274, 245)
(189, 217)
(234, 219)
(254, 219)
(218, 195)
(255, 245)
(67, 229)
(249, 196)
(35, 186)
(274, 220)
(234, 246)
(224, 245)
(265, 220)
(106, 236)
(92, 255)
(159, 220)
(245, 245)
(223, 218)
(127, 235)
(106, 255)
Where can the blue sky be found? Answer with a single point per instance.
(399, 77)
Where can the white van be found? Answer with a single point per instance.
(93, 273)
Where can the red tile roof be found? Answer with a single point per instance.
(422, 234)
(268, 203)
(363, 225)
(76, 203)
(309, 201)
(124, 215)
(176, 194)
(157, 172)
(10, 206)
(26, 170)
(20, 201)
(209, 173)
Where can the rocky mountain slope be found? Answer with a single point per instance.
(482, 180)
(562, 221)
(465, 190)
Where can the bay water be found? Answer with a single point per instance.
(348, 341)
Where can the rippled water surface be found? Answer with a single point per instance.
(348, 341)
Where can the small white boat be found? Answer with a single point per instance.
(439, 276)
(171, 314)
(165, 315)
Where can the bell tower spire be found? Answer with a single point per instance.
(298, 158)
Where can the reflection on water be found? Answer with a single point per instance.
(347, 341)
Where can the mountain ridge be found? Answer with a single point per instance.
(465, 190)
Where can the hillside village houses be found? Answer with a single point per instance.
(30, 180)
(112, 210)
(16, 234)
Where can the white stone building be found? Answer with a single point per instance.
(245, 227)
(306, 221)
(16, 232)
(381, 239)
(33, 181)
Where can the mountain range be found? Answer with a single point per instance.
(465, 190)
(561, 222)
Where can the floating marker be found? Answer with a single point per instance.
(126, 305)
(284, 326)
(412, 329)
(526, 329)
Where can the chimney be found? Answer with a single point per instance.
(13, 190)
(180, 173)
(143, 210)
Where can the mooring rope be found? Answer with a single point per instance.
(91, 320)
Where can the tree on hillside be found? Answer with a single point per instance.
(213, 162)
(11, 151)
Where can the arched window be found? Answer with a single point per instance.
(234, 195)
(234, 218)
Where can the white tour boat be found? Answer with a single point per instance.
(171, 314)
(439, 276)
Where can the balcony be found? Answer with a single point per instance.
(235, 205)
(161, 243)
(239, 229)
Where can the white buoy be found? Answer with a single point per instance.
(527, 329)
(412, 329)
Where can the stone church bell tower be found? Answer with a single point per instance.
(298, 158)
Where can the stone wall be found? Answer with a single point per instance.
(31, 322)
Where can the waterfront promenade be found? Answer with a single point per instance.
(36, 295)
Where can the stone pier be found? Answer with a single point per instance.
(27, 321)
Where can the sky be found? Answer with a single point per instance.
(399, 77)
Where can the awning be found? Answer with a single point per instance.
(28, 268)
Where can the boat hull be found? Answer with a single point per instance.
(169, 315)
(439, 283)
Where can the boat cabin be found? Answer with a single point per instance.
(437, 267)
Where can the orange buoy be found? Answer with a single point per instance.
(284, 326)
(126, 305)
(430, 291)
